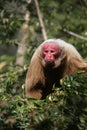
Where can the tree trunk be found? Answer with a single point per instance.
(24, 33)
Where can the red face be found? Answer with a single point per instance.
(50, 52)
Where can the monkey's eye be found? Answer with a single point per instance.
(52, 51)
(46, 51)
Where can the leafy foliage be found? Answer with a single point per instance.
(65, 109)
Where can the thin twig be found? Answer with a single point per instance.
(40, 20)
(75, 35)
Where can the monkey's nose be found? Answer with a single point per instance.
(49, 58)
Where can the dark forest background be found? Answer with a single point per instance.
(24, 25)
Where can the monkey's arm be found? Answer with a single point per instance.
(74, 61)
(34, 78)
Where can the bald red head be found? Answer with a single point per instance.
(50, 51)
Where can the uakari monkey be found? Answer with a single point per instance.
(52, 60)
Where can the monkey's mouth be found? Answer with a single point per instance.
(49, 62)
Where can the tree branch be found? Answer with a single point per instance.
(75, 35)
(85, 1)
(40, 20)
